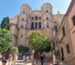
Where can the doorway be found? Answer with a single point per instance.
(62, 56)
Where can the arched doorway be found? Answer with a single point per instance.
(62, 56)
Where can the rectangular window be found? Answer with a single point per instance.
(32, 25)
(21, 26)
(35, 25)
(39, 25)
(55, 27)
(63, 31)
(67, 47)
(73, 19)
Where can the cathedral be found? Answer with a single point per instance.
(27, 21)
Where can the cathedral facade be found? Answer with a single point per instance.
(42, 21)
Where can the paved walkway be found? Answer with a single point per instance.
(20, 62)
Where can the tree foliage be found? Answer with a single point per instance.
(14, 50)
(5, 23)
(38, 42)
(5, 40)
(48, 47)
(23, 49)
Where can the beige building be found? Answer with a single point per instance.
(42, 21)
(66, 35)
(63, 41)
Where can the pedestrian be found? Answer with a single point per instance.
(10, 58)
(15, 57)
(4, 60)
(42, 58)
(26, 60)
(0, 56)
(24, 57)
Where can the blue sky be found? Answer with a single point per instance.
(11, 8)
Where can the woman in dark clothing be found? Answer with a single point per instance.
(42, 59)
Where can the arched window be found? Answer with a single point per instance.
(26, 20)
(47, 18)
(32, 18)
(22, 19)
(46, 10)
(35, 25)
(21, 26)
(36, 18)
(47, 26)
(23, 12)
(67, 47)
(39, 25)
(73, 19)
(21, 35)
(32, 25)
(40, 18)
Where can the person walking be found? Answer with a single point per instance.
(24, 58)
(4, 60)
(10, 59)
(42, 59)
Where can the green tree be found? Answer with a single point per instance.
(23, 49)
(14, 50)
(38, 42)
(48, 47)
(5, 23)
(5, 40)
